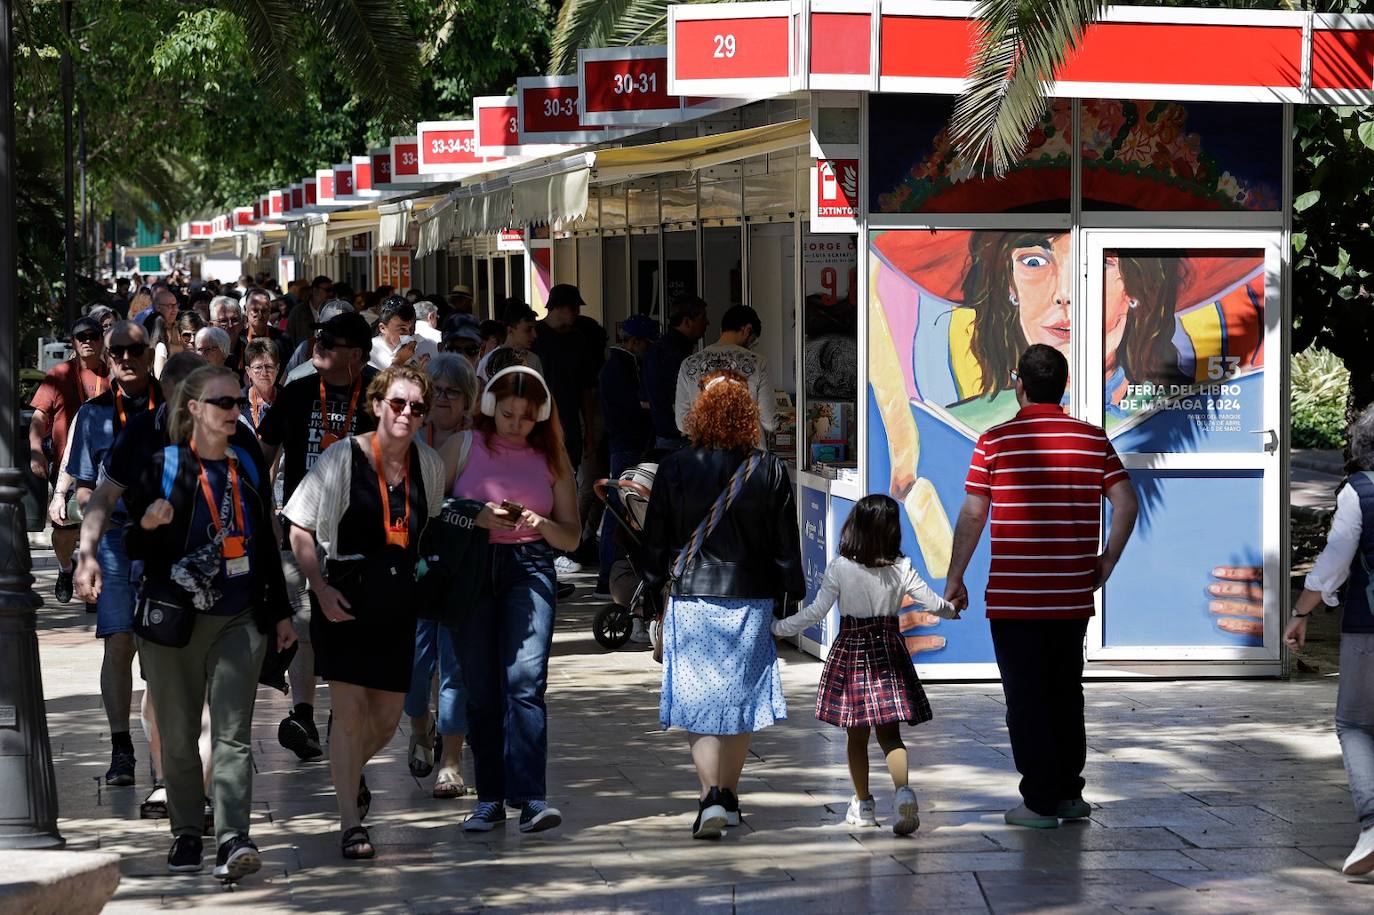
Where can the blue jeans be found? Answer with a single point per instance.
(620, 462)
(1355, 720)
(506, 667)
(434, 643)
(114, 609)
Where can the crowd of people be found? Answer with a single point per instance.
(381, 491)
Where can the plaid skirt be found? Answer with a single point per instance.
(869, 678)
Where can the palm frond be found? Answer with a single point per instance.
(268, 25)
(607, 24)
(1021, 45)
(376, 52)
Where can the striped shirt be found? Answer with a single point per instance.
(1045, 474)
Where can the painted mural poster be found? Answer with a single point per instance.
(949, 314)
(815, 557)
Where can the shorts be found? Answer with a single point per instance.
(114, 609)
(73, 511)
(298, 593)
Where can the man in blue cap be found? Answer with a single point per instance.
(625, 411)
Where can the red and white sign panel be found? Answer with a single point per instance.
(1137, 52)
(393, 269)
(550, 111)
(739, 49)
(276, 203)
(511, 240)
(243, 217)
(626, 86)
(297, 197)
(835, 195)
(381, 167)
(405, 160)
(448, 147)
(842, 57)
(362, 176)
(324, 187)
(343, 180)
(201, 229)
(310, 189)
(498, 125)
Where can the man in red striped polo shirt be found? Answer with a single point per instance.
(1041, 477)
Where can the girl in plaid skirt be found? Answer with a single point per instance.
(869, 682)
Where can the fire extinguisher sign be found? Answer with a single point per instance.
(835, 195)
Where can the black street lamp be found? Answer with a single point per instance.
(28, 791)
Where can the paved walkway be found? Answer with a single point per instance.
(1208, 796)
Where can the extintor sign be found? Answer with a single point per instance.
(835, 195)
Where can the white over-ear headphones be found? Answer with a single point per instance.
(488, 404)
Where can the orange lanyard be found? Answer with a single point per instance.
(395, 533)
(210, 494)
(254, 401)
(119, 404)
(348, 419)
(100, 381)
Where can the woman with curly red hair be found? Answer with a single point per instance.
(722, 527)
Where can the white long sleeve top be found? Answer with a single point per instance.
(865, 592)
(1332, 566)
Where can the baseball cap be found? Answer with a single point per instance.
(87, 323)
(461, 327)
(640, 327)
(349, 328)
(565, 295)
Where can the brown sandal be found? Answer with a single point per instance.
(357, 844)
(449, 784)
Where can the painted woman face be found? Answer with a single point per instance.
(1116, 307)
(1042, 282)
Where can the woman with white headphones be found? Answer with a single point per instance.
(518, 466)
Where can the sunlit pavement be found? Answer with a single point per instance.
(1208, 797)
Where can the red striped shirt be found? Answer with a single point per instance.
(1045, 474)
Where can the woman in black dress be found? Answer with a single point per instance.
(362, 621)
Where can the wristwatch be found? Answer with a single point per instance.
(1301, 616)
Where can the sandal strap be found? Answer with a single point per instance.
(355, 836)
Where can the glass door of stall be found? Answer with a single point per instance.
(1177, 324)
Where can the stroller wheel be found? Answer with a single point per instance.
(612, 626)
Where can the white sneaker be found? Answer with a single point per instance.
(564, 565)
(908, 812)
(862, 813)
(639, 633)
(1361, 860)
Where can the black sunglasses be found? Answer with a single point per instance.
(466, 349)
(399, 404)
(226, 402)
(86, 337)
(132, 350)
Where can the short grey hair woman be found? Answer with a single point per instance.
(1349, 556)
(213, 345)
(455, 392)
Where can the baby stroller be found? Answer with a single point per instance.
(627, 500)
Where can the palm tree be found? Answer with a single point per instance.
(607, 24)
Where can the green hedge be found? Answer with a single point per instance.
(1320, 385)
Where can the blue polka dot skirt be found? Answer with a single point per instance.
(720, 667)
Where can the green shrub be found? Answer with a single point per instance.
(1320, 384)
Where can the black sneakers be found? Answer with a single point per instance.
(711, 817)
(63, 589)
(730, 802)
(298, 734)
(238, 857)
(122, 766)
(184, 858)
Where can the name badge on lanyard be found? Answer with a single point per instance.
(233, 543)
(330, 436)
(397, 529)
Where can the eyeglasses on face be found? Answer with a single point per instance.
(131, 350)
(226, 402)
(398, 406)
(232, 321)
(263, 368)
(86, 337)
(206, 350)
(446, 393)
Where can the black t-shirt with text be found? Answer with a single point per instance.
(294, 422)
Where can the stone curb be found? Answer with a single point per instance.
(57, 882)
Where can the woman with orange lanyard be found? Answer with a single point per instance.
(260, 362)
(455, 390)
(364, 506)
(204, 532)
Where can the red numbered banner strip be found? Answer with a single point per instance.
(498, 125)
(549, 110)
(743, 49)
(628, 87)
(448, 148)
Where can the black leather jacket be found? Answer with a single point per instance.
(755, 550)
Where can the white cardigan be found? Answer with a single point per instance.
(322, 497)
(865, 592)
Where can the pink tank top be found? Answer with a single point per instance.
(515, 472)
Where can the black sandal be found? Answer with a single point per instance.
(151, 809)
(356, 844)
(364, 799)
